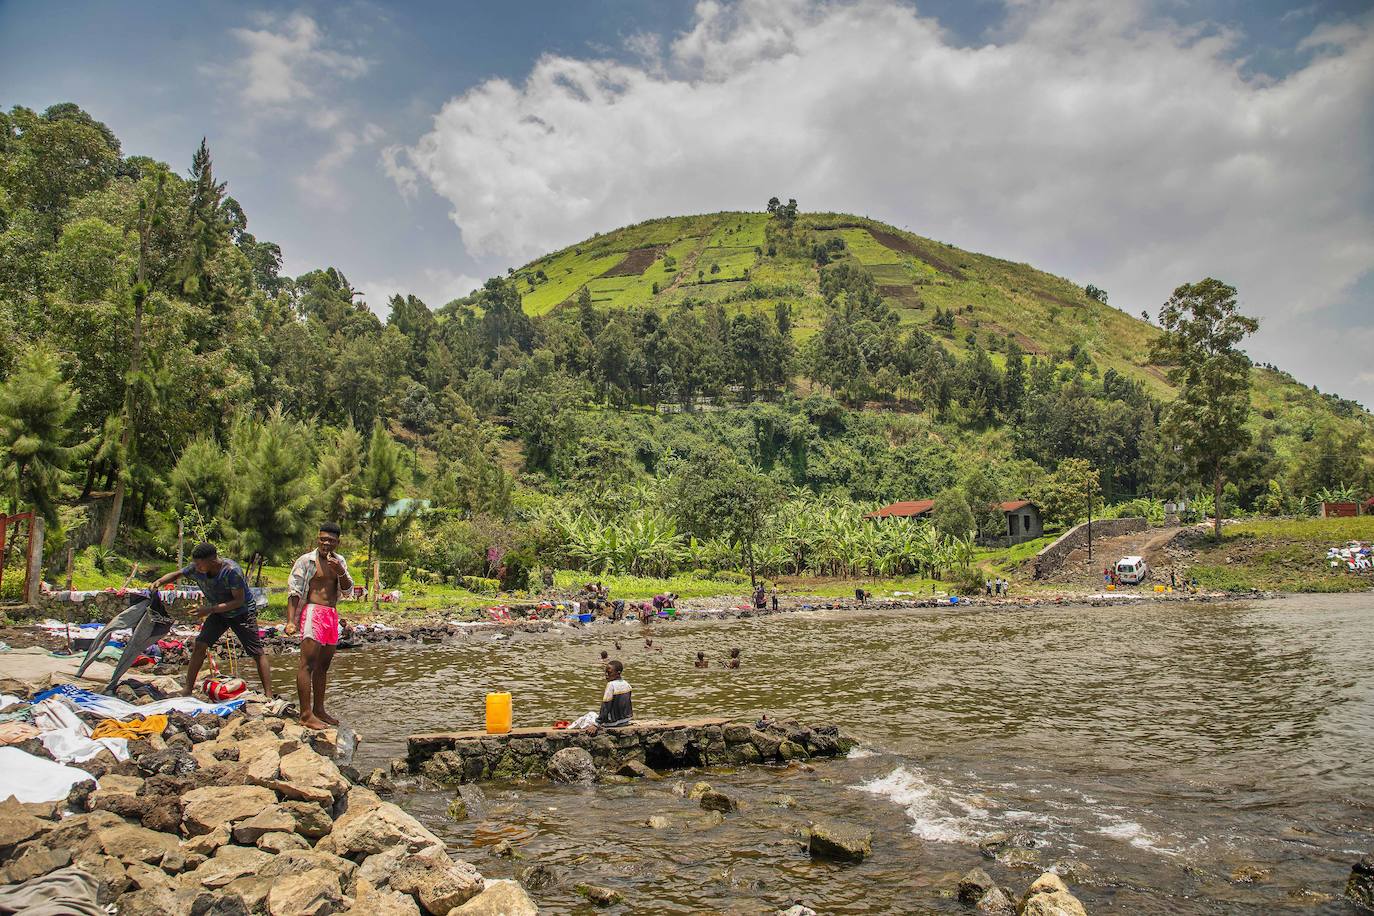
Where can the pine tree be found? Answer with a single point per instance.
(199, 485)
(207, 226)
(338, 473)
(150, 206)
(36, 408)
(269, 507)
(384, 474)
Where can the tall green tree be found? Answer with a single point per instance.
(724, 498)
(1203, 328)
(36, 408)
(269, 506)
(339, 471)
(1065, 496)
(383, 476)
(200, 487)
(150, 207)
(952, 515)
(207, 226)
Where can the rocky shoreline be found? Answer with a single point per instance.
(243, 814)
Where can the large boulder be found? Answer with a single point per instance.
(438, 882)
(213, 806)
(34, 861)
(839, 842)
(206, 844)
(974, 884)
(995, 902)
(572, 766)
(1360, 886)
(281, 842)
(371, 830)
(501, 898)
(372, 901)
(246, 895)
(716, 800)
(17, 825)
(227, 864)
(1048, 896)
(299, 861)
(311, 893)
(269, 820)
(306, 769)
(130, 844)
(156, 901)
(311, 820)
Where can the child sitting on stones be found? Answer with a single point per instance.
(616, 706)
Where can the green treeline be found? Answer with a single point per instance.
(151, 349)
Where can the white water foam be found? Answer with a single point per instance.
(938, 813)
(1132, 832)
(859, 753)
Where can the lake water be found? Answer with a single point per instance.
(1166, 752)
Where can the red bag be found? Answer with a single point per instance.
(220, 689)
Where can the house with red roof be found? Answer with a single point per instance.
(1022, 516)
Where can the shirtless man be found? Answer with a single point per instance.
(316, 580)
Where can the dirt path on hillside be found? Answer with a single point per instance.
(1151, 544)
(689, 263)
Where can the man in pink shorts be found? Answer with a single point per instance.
(317, 579)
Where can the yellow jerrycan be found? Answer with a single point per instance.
(498, 713)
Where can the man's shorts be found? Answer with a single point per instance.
(245, 629)
(320, 622)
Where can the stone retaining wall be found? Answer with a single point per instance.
(1050, 559)
(458, 757)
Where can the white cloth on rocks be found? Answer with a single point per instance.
(68, 738)
(115, 708)
(33, 779)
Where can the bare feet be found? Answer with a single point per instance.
(310, 721)
(321, 714)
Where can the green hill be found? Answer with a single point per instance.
(727, 258)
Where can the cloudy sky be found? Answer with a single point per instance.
(420, 147)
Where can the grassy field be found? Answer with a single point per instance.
(1283, 555)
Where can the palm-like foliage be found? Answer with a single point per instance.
(823, 535)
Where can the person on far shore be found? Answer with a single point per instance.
(775, 599)
(701, 661)
(733, 660)
(228, 605)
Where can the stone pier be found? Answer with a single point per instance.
(458, 757)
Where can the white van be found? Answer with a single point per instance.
(1132, 570)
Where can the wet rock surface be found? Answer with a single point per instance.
(1360, 887)
(243, 816)
(639, 751)
(839, 841)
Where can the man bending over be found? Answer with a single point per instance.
(313, 590)
(228, 605)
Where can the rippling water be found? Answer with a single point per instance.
(1155, 749)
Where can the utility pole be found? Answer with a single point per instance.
(1090, 522)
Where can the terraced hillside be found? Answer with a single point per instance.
(726, 258)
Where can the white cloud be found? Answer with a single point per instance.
(1091, 139)
(321, 184)
(291, 70)
(287, 60)
(435, 288)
